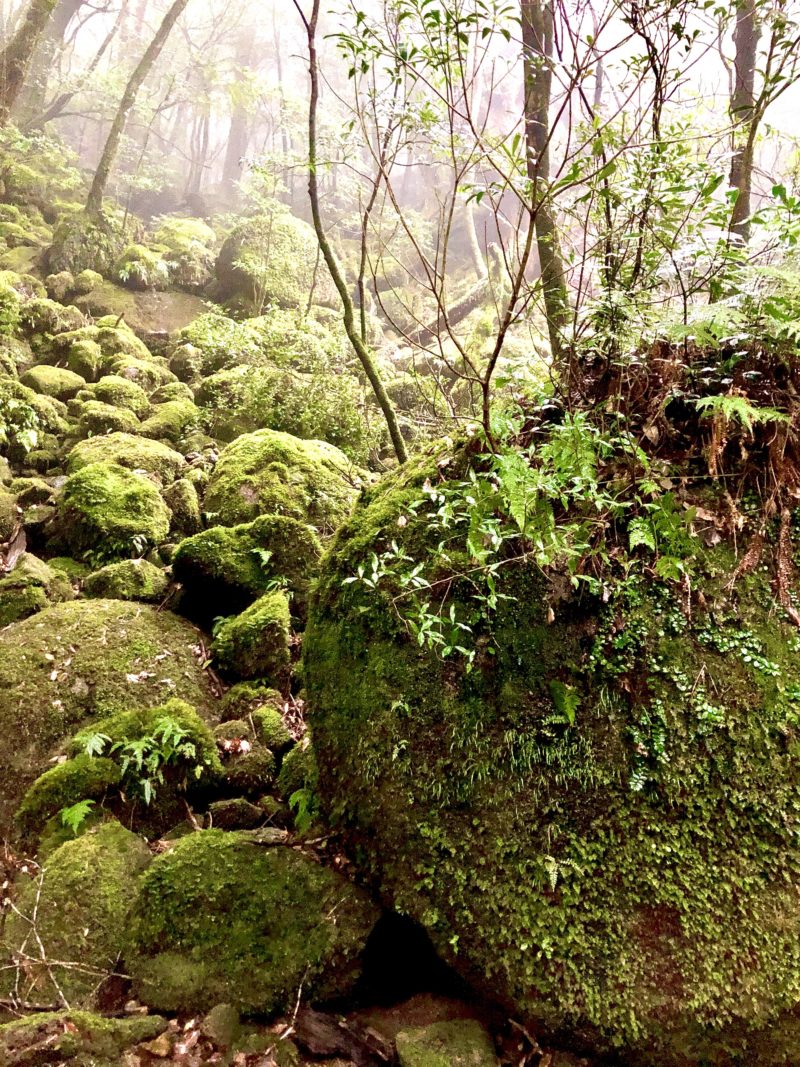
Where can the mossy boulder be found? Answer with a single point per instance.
(131, 579)
(184, 503)
(111, 511)
(255, 644)
(30, 587)
(273, 473)
(271, 258)
(96, 419)
(80, 905)
(84, 777)
(122, 393)
(76, 1037)
(298, 770)
(53, 381)
(73, 663)
(140, 267)
(171, 421)
(127, 450)
(9, 515)
(456, 1043)
(221, 919)
(596, 822)
(224, 569)
(81, 243)
(188, 251)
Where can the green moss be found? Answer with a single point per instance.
(255, 644)
(630, 875)
(81, 904)
(271, 729)
(60, 286)
(225, 569)
(251, 773)
(77, 1037)
(53, 381)
(459, 1043)
(84, 357)
(298, 770)
(171, 391)
(30, 587)
(96, 419)
(149, 373)
(275, 474)
(75, 662)
(70, 568)
(215, 341)
(111, 512)
(81, 243)
(182, 500)
(140, 267)
(81, 778)
(244, 698)
(121, 393)
(171, 421)
(41, 316)
(188, 245)
(132, 579)
(9, 515)
(221, 920)
(271, 259)
(134, 453)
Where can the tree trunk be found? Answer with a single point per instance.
(744, 115)
(16, 56)
(32, 101)
(537, 41)
(239, 130)
(94, 203)
(359, 347)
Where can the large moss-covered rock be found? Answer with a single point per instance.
(272, 473)
(221, 919)
(74, 662)
(80, 907)
(456, 1043)
(112, 512)
(271, 259)
(255, 644)
(226, 568)
(127, 450)
(597, 822)
(81, 242)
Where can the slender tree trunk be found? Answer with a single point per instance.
(32, 100)
(359, 347)
(744, 114)
(537, 41)
(94, 203)
(239, 130)
(15, 58)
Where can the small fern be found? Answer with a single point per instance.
(738, 409)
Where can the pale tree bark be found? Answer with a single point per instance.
(16, 57)
(32, 101)
(94, 203)
(365, 357)
(239, 131)
(537, 41)
(744, 114)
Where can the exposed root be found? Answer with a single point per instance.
(784, 567)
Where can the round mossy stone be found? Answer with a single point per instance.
(624, 865)
(221, 919)
(53, 381)
(30, 587)
(76, 662)
(255, 644)
(127, 450)
(131, 579)
(78, 1037)
(456, 1043)
(111, 512)
(81, 904)
(272, 473)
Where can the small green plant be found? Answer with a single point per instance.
(75, 816)
(733, 408)
(304, 804)
(19, 424)
(144, 760)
